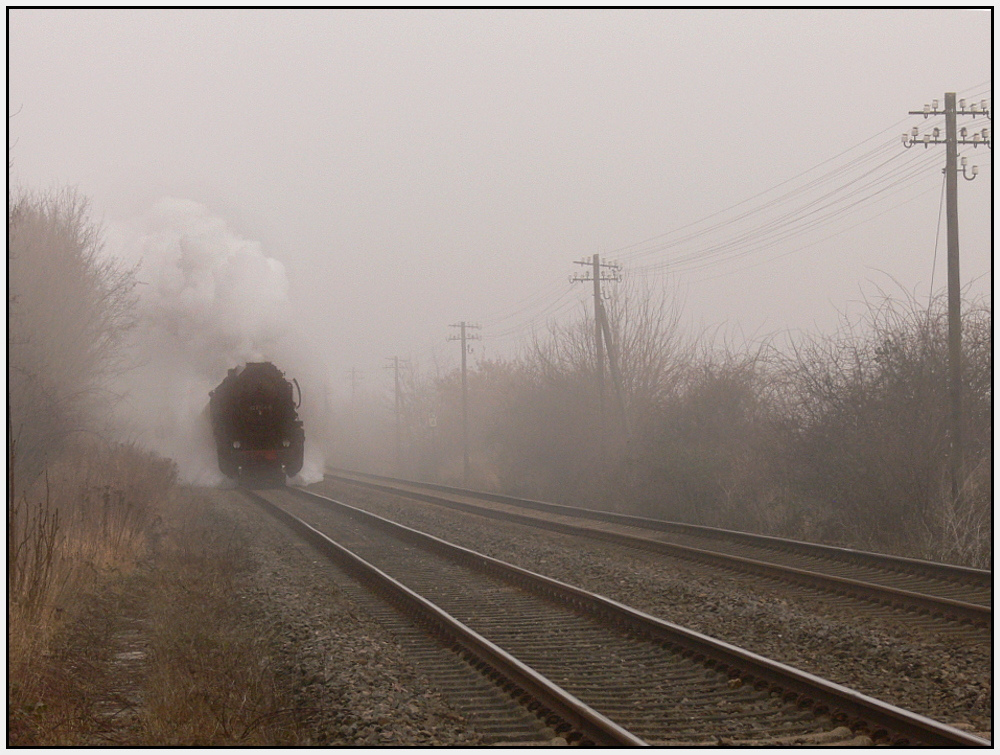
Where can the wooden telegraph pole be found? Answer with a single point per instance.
(465, 395)
(953, 137)
(600, 271)
(399, 417)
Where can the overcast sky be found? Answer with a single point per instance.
(413, 169)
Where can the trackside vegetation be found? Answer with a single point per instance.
(123, 590)
(120, 595)
(839, 438)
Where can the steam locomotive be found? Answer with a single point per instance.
(258, 435)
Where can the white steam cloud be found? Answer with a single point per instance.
(210, 300)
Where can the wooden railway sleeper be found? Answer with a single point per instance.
(797, 685)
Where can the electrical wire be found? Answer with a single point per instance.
(816, 242)
(624, 249)
(937, 238)
(863, 182)
(802, 219)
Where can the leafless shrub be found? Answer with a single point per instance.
(69, 306)
(542, 424)
(32, 534)
(841, 438)
(961, 531)
(647, 344)
(870, 410)
(707, 453)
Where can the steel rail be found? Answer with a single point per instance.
(884, 560)
(556, 704)
(973, 613)
(855, 709)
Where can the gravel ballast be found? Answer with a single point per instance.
(895, 660)
(354, 685)
(348, 674)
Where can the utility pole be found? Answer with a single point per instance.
(465, 394)
(615, 364)
(600, 271)
(952, 139)
(355, 376)
(398, 409)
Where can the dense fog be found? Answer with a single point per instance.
(209, 300)
(335, 191)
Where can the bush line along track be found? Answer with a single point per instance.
(684, 686)
(936, 582)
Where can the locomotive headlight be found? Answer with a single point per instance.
(286, 443)
(236, 444)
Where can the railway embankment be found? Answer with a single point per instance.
(938, 670)
(221, 632)
(225, 630)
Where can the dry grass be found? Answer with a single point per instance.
(68, 532)
(85, 581)
(86, 515)
(127, 624)
(210, 679)
(962, 531)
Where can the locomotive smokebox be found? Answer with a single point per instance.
(259, 438)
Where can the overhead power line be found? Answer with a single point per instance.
(841, 193)
(953, 136)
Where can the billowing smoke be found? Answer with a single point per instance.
(209, 300)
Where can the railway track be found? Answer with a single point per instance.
(596, 670)
(953, 593)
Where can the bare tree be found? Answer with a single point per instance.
(870, 407)
(68, 308)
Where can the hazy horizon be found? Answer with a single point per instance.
(381, 175)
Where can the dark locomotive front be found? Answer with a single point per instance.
(258, 435)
